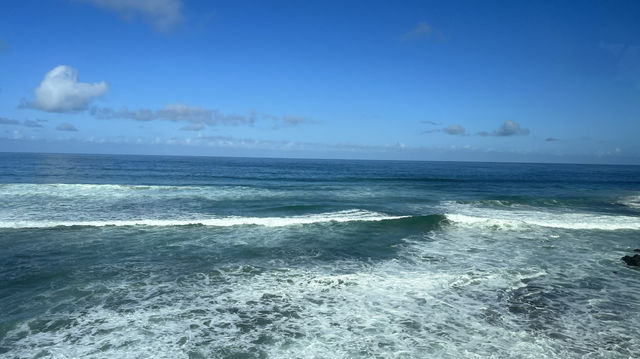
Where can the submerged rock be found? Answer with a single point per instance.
(632, 261)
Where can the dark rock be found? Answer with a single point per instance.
(637, 250)
(632, 261)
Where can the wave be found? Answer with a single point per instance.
(117, 191)
(631, 202)
(339, 216)
(523, 220)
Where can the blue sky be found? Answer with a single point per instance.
(461, 80)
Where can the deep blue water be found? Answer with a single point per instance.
(195, 257)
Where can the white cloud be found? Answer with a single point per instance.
(162, 14)
(60, 91)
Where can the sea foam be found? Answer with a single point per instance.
(339, 216)
(522, 220)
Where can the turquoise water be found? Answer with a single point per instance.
(190, 257)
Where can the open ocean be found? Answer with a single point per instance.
(107, 256)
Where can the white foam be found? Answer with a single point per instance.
(631, 202)
(340, 216)
(117, 191)
(526, 219)
(388, 311)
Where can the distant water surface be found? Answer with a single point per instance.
(193, 257)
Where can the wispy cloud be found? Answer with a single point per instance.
(551, 139)
(31, 123)
(6, 121)
(421, 30)
(65, 126)
(163, 15)
(508, 128)
(433, 123)
(60, 91)
(289, 121)
(193, 127)
(25, 123)
(197, 116)
(456, 130)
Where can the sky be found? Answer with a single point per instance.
(523, 81)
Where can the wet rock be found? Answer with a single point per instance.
(637, 250)
(632, 261)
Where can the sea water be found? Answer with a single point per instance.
(194, 257)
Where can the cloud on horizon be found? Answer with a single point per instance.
(163, 15)
(60, 91)
(508, 128)
(65, 126)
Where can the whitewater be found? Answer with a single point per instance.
(196, 257)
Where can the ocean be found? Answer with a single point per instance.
(105, 256)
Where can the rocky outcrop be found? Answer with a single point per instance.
(632, 261)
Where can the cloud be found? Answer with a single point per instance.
(451, 130)
(177, 112)
(551, 139)
(25, 123)
(289, 121)
(60, 91)
(66, 127)
(433, 123)
(162, 14)
(31, 123)
(6, 121)
(508, 128)
(109, 113)
(193, 127)
(421, 30)
(454, 130)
